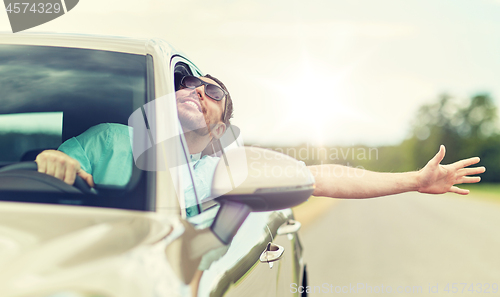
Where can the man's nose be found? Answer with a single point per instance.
(200, 92)
(195, 93)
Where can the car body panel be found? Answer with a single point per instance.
(49, 248)
(116, 44)
(240, 273)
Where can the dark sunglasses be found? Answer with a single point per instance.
(213, 91)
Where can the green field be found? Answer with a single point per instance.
(486, 190)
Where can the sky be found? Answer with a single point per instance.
(326, 72)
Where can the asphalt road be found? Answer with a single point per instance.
(405, 245)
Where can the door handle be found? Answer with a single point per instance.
(289, 227)
(272, 253)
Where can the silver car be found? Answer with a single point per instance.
(138, 239)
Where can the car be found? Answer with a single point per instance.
(136, 239)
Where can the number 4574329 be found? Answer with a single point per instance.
(473, 288)
(33, 8)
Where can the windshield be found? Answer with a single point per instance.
(51, 94)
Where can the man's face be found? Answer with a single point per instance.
(198, 112)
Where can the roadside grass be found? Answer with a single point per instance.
(490, 191)
(312, 209)
(315, 207)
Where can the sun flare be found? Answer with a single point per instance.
(313, 103)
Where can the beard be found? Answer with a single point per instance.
(192, 122)
(199, 131)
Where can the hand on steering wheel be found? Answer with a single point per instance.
(79, 183)
(61, 166)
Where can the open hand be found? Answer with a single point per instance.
(61, 166)
(435, 178)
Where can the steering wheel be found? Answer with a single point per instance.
(79, 184)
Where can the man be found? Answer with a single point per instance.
(205, 107)
(103, 153)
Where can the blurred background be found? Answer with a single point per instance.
(402, 76)
(379, 84)
(325, 72)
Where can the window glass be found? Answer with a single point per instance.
(88, 86)
(52, 94)
(23, 132)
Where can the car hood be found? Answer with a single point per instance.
(44, 248)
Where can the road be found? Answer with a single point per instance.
(405, 245)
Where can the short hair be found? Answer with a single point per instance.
(228, 111)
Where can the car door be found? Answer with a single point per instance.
(235, 269)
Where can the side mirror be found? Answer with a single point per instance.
(254, 179)
(246, 179)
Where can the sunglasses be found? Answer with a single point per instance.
(213, 91)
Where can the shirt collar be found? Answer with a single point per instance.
(195, 158)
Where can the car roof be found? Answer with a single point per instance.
(109, 43)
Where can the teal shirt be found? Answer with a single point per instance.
(105, 152)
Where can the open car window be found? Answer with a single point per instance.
(52, 94)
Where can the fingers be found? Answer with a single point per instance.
(51, 166)
(468, 180)
(439, 156)
(86, 177)
(471, 171)
(457, 190)
(69, 174)
(466, 162)
(41, 163)
(58, 165)
(58, 172)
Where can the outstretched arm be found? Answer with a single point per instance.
(338, 181)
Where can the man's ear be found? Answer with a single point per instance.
(218, 130)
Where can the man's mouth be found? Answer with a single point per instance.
(193, 103)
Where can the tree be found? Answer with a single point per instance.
(470, 130)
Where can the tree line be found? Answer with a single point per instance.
(466, 127)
